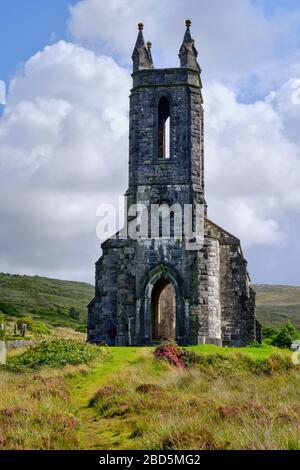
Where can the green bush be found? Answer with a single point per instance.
(8, 309)
(34, 326)
(285, 336)
(57, 353)
(269, 333)
(74, 314)
(41, 328)
(30, 322)
(254, 344)
(267, 342)
(81, 329)
(191, 358)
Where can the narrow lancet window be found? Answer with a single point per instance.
(164, 128)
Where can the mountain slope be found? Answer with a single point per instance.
(46, 299)
(51, 299)
(276, 304)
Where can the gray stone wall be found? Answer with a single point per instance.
(215, 303)
(214, 333)
(237, 297)
(20, 344)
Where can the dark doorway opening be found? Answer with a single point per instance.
(163, 311)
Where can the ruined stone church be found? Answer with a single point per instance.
(149, 289)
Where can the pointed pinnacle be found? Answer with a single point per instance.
(187, 37)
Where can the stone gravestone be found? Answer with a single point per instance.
(2, 331)
(23, 329)
(2, 352)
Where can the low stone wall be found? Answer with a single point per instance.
(18, 344)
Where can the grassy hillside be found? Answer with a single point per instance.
(277, 304)
(50, 300)
(124, 399)
(45, 299)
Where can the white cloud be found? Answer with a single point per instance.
(252, 164)
(245, 219)
(65, 123)
(63, 150)
(286, 102)
(235, 39)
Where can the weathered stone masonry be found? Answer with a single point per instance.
(214, 300)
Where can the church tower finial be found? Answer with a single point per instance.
(141, 57)
(188, 53)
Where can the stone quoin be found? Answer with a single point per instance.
(153, 289)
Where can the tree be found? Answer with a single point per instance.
(34, 326)
(28, 320)
(73, 313)
(285, 336)
(269, 333)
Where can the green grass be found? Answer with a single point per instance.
(154, 406)
(260, 353)
(124, 399)
(94, 432)
(45, 299)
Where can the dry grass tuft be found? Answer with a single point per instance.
(230, 400)
(249, 404)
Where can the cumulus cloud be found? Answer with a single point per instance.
(236, 40)
(252, 162)
(63, 150)
(69, 110)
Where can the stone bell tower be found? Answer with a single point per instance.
(166, 128)
(155, 286)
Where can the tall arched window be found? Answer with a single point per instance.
(164, 128)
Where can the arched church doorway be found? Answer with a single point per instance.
(163, 311)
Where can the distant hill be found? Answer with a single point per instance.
(50, 300)
(277, 304)
(45, 299)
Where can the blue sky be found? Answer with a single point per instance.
(26, 26)
(270, 6)
(64, 131)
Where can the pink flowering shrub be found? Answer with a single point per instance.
(172, 353)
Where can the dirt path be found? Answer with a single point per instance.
(95, 432)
